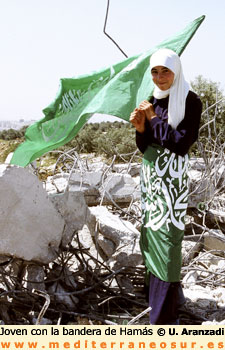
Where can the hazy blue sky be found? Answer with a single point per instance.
(45, 40)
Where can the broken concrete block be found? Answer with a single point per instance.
(215, 240)
(121, 188)
(132, 169)
(117, 233)
(31, 228)
(88, 183)
(73, 208)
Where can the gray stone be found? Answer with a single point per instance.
(89, 240)
(190, 250)
(97, 189)
(215, 240)
(121, 238)
(56, 184)
(73, 208)
(121, 188)
(201, 188)
(197, 164)
(85, 238)
(63, 297)
(33, 277)
(208, 260)
(132, 169)
(215, 215)
(200, 295)
(190, 279)
(219, 295)
(221, 265)
(216, 317)
(8, 158)
(108, 247)
(88, 183)
(89, 179)
(214, 322)
(205, 180)
(125, 284)
(12, 269)
(31, 228)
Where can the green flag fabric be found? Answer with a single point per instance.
(116, 91)
(164, 205)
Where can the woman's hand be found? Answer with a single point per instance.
(148, 109)
(137, 119)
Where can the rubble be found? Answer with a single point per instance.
(31, 227)
(215, 240)
(33, 276)
(73, 208)
(75, 238)
(117, 238)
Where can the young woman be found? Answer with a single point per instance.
(166, 127)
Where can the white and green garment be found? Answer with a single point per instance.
(164, 186)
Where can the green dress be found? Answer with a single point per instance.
(164, 187)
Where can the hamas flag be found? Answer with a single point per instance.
(116, 91)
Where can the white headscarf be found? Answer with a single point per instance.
(178, 90)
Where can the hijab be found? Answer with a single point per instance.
(178, 90)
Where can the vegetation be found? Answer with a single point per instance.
(212, 99)
(7, 147)
(12, 134)
(117, 138)
(212, 127)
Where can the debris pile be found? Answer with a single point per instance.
(70, 244)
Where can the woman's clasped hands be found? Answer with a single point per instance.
(140, 114)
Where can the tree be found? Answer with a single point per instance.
(213, 102)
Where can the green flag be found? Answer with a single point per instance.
(116, 90)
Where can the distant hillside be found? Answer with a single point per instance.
(18, 124)
(14, 124)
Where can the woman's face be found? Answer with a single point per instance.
(162, 77)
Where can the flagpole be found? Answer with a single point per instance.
(106, 17)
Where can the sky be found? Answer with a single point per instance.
(44, 40)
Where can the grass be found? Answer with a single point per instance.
(8, 146)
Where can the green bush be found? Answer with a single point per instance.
(12, 134)
(116, 141)
(104, 138)
(213, 116)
